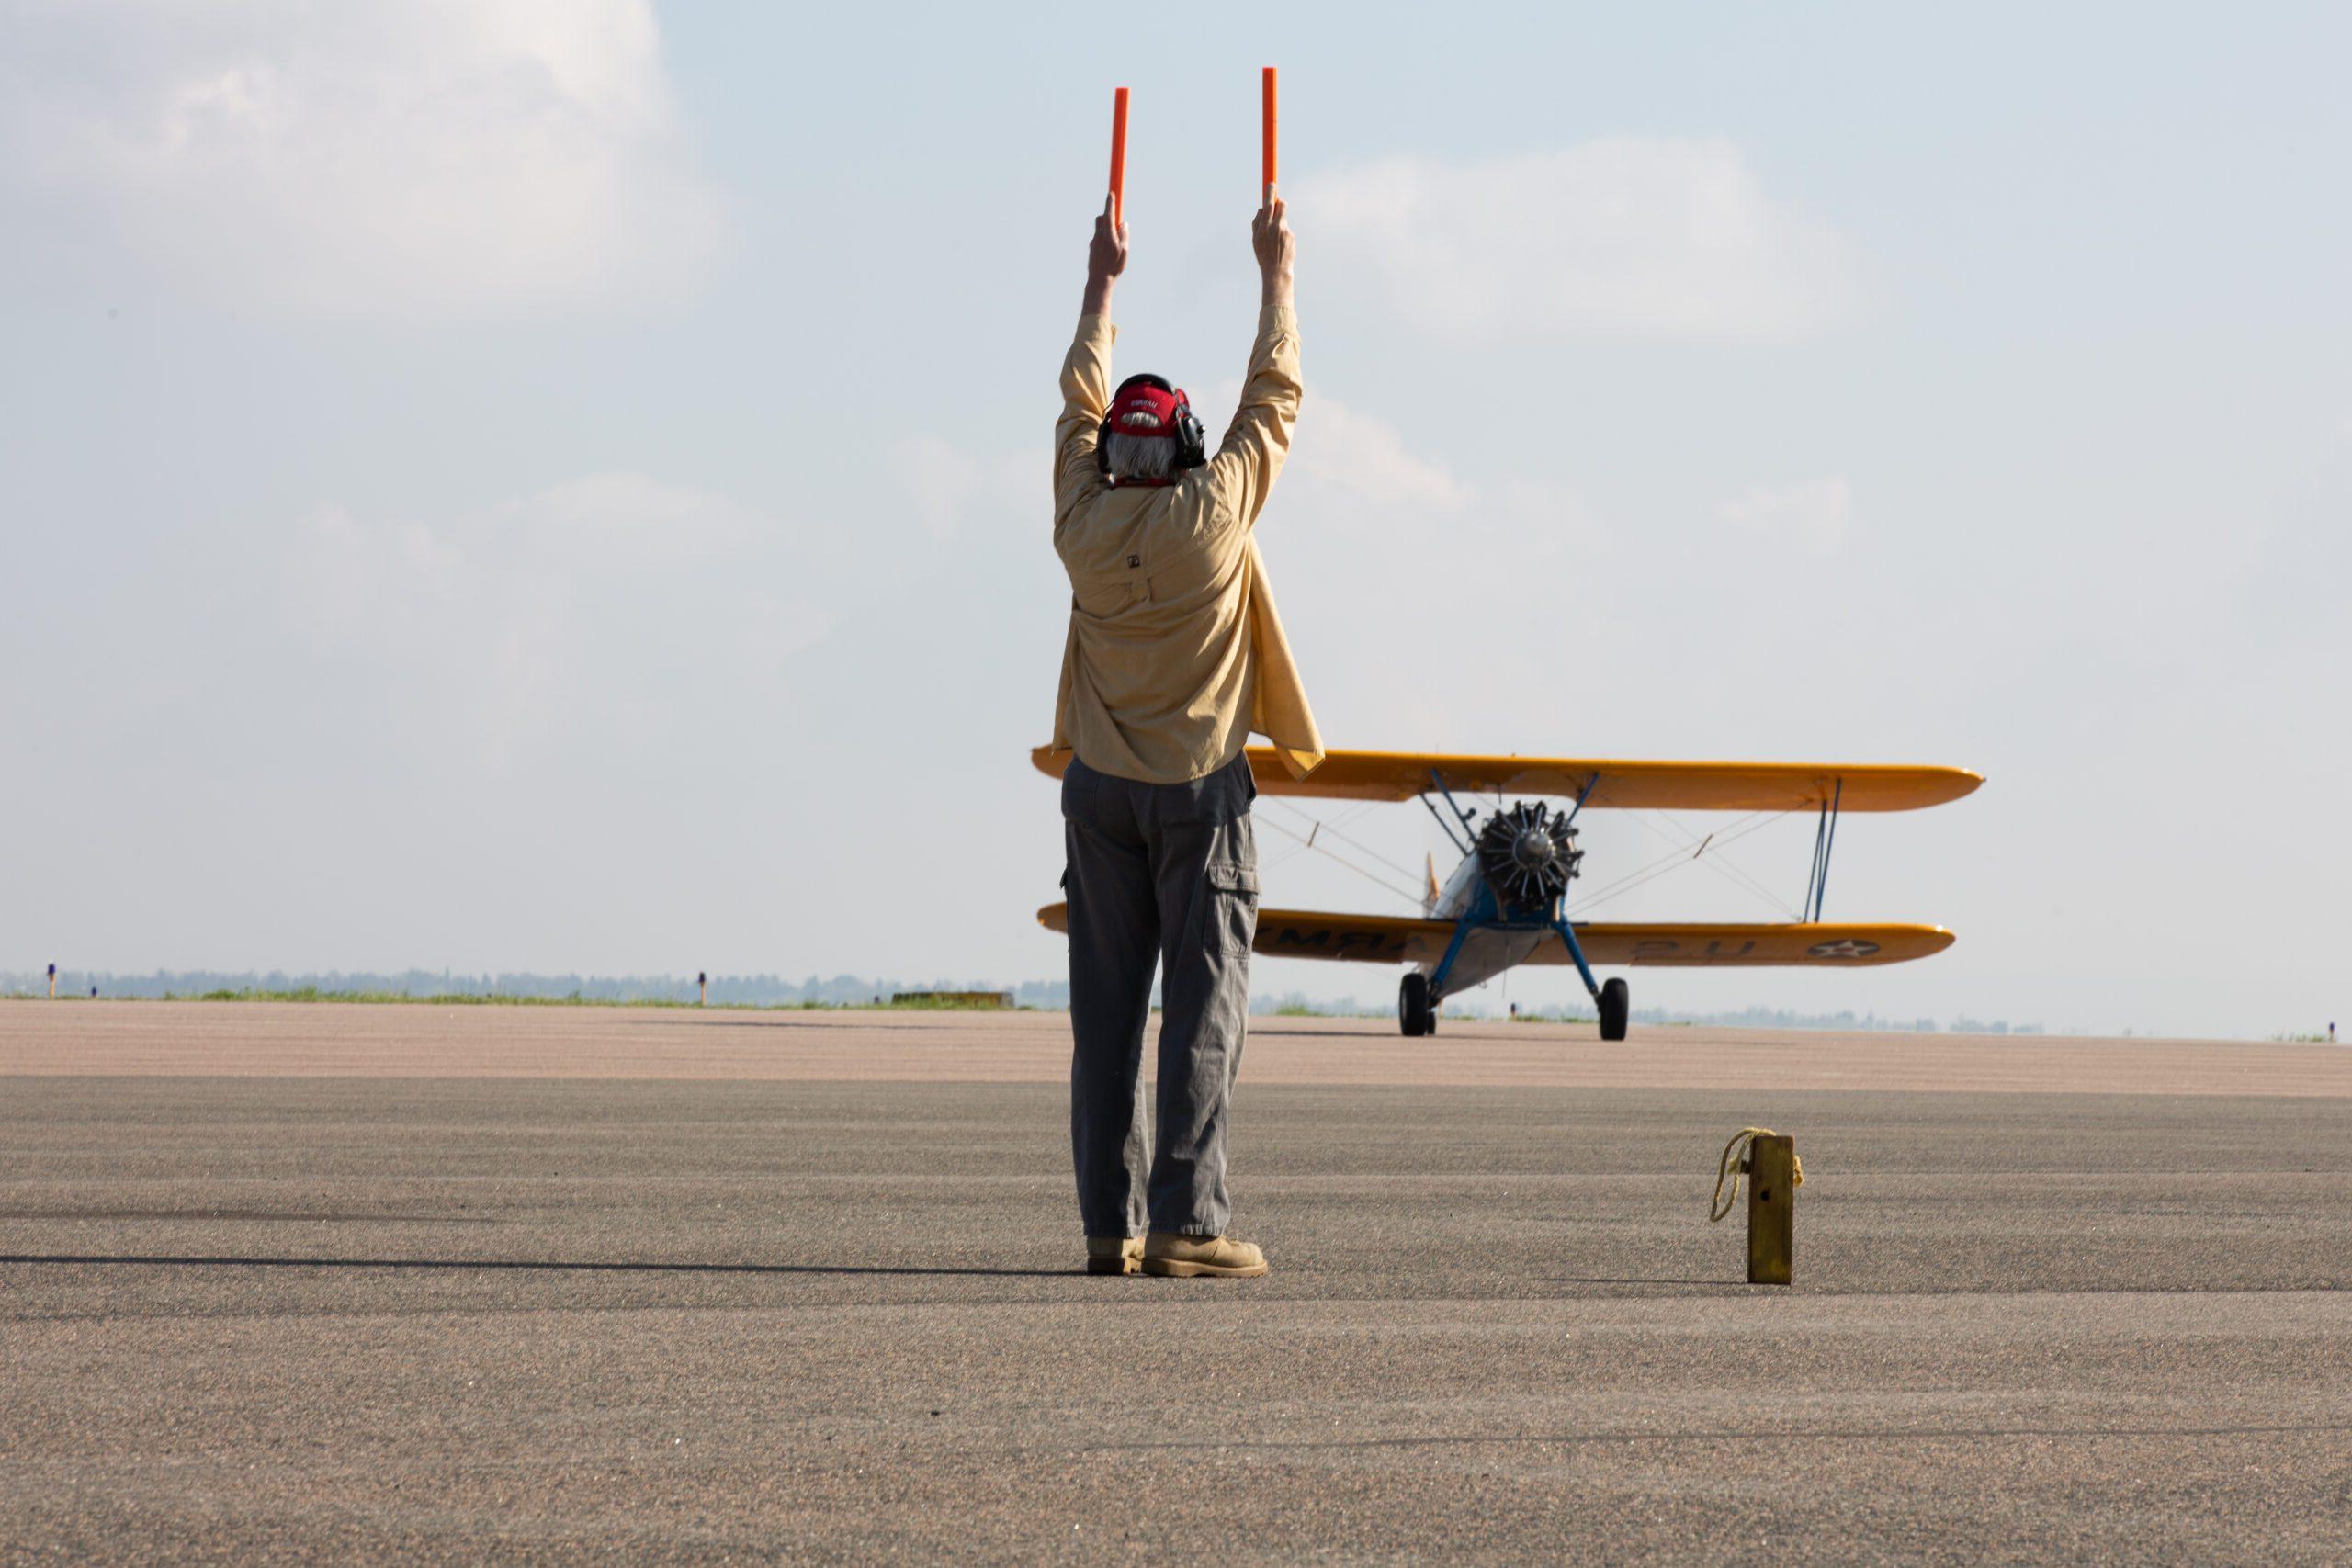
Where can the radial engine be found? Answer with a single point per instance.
(1528, 855)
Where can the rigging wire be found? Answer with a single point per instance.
(1409, 896)
(1721, 864)
(1757, 884)
(1659, 867)
(1358, 810)
(1333, 830)
(1627, 885)
(1721, 838)
(1668, 860)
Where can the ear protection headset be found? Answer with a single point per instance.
(1192, 440)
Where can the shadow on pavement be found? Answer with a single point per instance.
(272, 1216)
(160, 1261)
(1726, 1284)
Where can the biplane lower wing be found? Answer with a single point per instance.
(1389, 938)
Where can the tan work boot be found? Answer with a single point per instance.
(1113, 1254)
(1167, 1254)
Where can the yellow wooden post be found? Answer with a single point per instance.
(1771, 1208)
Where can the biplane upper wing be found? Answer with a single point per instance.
(1684, 786)
(1391, 938)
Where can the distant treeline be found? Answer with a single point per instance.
(1781, 1018)
(725, 990)
(1745, 1018)
(849, 991)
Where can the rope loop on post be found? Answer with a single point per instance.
(1735, 1166)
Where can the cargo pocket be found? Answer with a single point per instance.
(1233, 909)
(1082, 795)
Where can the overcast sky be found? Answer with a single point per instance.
(564, 486)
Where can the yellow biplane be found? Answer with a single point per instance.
(1506, 903)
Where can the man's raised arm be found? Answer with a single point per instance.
(1258, 439)
(1086, 372)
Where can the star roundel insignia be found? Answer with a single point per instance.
(1846, 947)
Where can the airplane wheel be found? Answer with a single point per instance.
(1616, 1004)
(1413, 1011)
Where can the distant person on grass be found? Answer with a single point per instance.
(1175, 656)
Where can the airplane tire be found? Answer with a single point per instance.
(1413, 1013)
(1616, 1006)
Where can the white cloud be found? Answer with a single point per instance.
(369, 157)
(633, 516)
(1620, 237)
(1813, 512)
(598, 604)
(1364, 459)
(1341, 455)
(948, 484)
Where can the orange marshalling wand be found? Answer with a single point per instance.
(1268, 180)
(1119, 154)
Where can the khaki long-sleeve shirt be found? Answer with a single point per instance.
(1175, 652)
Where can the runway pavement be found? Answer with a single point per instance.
(561, 1284)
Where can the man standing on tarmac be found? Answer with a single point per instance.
(1175, 656)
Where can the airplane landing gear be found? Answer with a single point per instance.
(1616, 1003)
(1416, 1014)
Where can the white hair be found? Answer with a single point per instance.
(1140, 456)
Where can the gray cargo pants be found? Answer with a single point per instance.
(1165, 873)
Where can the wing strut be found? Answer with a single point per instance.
(1582, 795)
(1825, 839)
(1458, 842)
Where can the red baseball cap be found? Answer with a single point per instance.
(1146, 406)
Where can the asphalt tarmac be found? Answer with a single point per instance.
(827, 1308)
